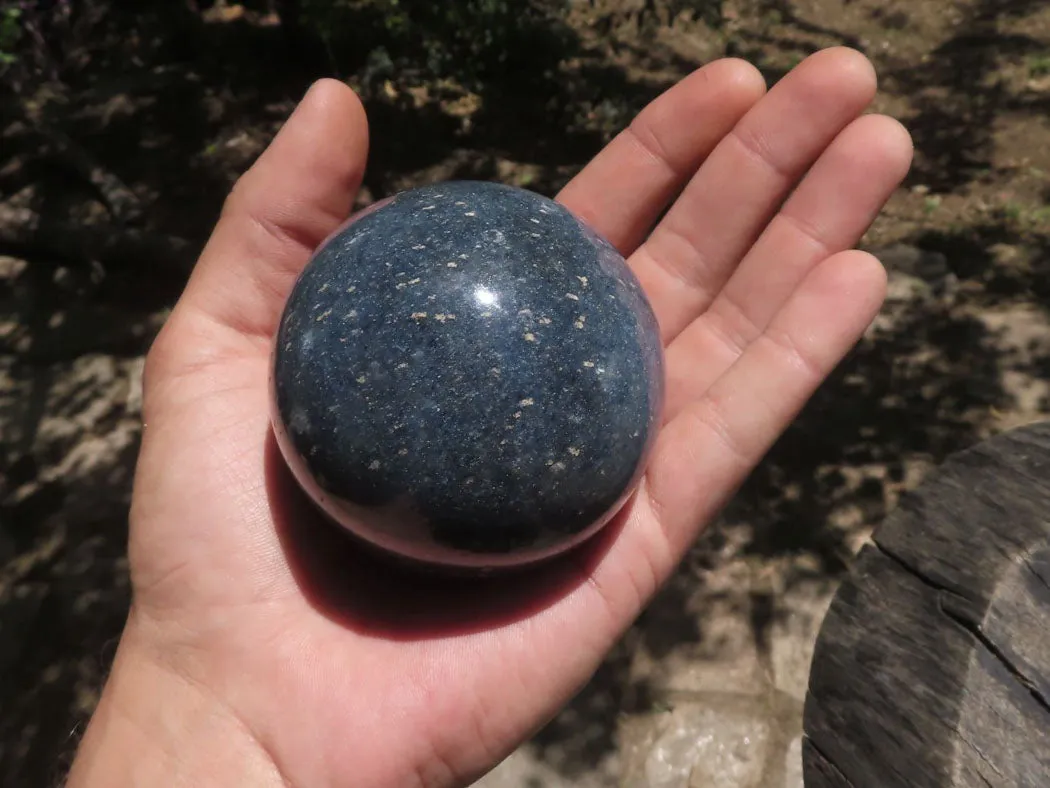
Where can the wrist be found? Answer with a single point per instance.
(153, 727)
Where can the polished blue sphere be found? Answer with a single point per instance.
(468, 376)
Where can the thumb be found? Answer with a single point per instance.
(298, 192)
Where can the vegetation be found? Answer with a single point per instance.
(472, 40)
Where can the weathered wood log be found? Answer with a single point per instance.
(932, 667)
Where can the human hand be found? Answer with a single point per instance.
(263, 647)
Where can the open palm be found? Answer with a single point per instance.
(737, 208)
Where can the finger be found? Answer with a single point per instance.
(709, 448)
(829, 212)
(704, 455)
(300, 190)
(622, 192)
(694, 249)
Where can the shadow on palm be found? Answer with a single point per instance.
(375, 594)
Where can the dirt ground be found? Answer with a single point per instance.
(116, 154)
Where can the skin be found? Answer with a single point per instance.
(263, 648)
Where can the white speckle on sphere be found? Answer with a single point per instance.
(299, 422)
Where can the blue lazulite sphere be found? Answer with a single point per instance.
(467, 376)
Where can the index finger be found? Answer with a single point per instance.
(624, 189)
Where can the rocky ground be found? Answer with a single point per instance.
(707, 688)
